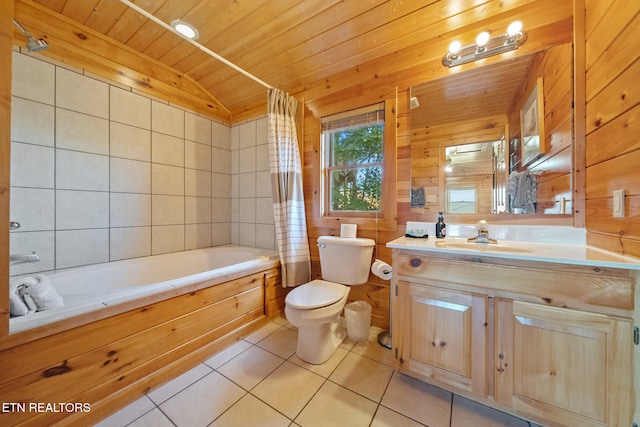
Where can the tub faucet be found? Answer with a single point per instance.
(23, 258)
(483, 234)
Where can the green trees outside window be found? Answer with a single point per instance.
(355, 168)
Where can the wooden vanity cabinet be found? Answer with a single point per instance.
(443, 336)
(574, 367)
(551, 343)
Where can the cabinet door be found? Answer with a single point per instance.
(567, 366)
(442, 336)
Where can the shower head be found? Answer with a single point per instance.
(32, 44)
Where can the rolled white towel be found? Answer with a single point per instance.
(41, 293)
(17, 306)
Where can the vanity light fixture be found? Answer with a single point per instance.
(485, 46)
(186, 29)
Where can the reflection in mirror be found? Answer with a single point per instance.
(469, 177)
(467, 153)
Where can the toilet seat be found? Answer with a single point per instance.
(315, 294)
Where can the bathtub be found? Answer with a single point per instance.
(132, 283)
(129, 326)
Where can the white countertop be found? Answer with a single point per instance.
(548, 249)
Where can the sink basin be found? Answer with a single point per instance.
(481, 247)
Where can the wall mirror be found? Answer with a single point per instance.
(468, 155)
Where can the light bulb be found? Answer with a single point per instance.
(514, 28)
(482, 38)
(454, 47)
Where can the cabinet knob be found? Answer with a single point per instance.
(415, 262)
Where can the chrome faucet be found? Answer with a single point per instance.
(483, 234)
(23, 258)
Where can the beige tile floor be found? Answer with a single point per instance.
(259, 381)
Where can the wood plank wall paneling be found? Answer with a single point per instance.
(6, 43)
(612, 114)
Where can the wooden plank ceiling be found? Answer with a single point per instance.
(329, 52)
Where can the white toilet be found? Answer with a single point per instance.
(314, 308)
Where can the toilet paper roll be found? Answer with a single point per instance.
(381, 269)
(348, 230)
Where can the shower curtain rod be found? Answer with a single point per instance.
(195, 43)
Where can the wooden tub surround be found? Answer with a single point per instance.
(546, 341)
(104, 364)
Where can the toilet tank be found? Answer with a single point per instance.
(345, 260)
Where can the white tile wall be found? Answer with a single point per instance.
(81, 132)
(37, 206)
(251, 205)
(220, 211)
(167, 179)
(198, 210)
(197, 183)
(100, 172)
(78, 93)
(81, 171)
(221, 160)
(33, 79)
(167, 210)
(167, 150)
(130, 108)
(221, 136)
(81, 247)
(167, 119)
(263, 184)
(130, 210)
(81, 209)
(197, 236)
(130, 142)
(167, 238)
(247, 185)
(220, 233)
(221, 185)
(130, 176)
(32, 166)
(247, 159)
(247, 135)
(197, 156)
(197, 129)
(129, 242)
(32, 122)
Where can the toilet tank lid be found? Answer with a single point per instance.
(346, 241)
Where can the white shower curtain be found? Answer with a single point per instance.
(286, 184)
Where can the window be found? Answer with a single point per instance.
(353, 154)
(462, 200)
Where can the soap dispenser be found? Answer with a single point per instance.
(441, 228)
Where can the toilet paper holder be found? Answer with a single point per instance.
(384, 271)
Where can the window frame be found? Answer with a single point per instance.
(325, 169)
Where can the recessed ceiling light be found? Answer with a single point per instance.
(186, 29)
